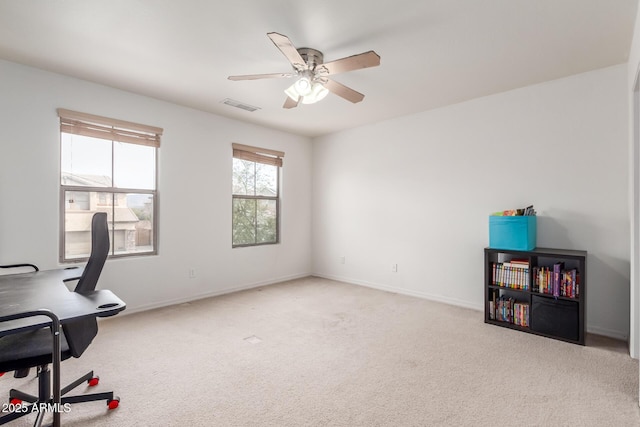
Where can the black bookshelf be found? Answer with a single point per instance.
(530, 305)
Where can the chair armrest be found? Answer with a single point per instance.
(35, 267)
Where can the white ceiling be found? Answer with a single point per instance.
(433, 52)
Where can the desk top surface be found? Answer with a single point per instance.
(46, 290)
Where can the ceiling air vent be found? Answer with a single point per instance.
(239, 104)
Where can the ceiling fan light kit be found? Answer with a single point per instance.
(318, 92)
(313, 83)
(308, 91)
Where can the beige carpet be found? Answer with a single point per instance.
(315, 352)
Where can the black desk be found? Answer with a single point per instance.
(46, 290)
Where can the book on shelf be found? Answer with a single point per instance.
(508, 310)
(558, 267)
(556, 281)
(508, 275)
(504, 309)
(522, 263)
(542, 280)
(521, 314)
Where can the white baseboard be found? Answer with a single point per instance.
(607, 333)
(215, 293)
(409, 292)
(454, 301)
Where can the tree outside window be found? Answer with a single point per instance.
(255, 197)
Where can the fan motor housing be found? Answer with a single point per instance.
(312, 57)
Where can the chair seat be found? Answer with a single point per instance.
(29, 349)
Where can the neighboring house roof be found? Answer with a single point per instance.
(122, 214)
(86, 180)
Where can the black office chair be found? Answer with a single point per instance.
(33, 349)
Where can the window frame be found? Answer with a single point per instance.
(113, 191)
(264, 156)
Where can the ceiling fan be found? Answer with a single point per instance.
(313, 82)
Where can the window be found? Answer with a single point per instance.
(107, 165)
(256, 195)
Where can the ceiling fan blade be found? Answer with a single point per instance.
(261, 76)
(290, 103)
(288, 49)
(343, 91)
(350, 63)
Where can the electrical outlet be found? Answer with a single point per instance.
(394, 268)
(192, 273)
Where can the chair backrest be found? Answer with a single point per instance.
(99, 251)
(80, 333)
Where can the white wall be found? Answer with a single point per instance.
(633, 67)
(194, 191)
(417, 191)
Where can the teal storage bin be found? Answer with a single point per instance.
(512, 232)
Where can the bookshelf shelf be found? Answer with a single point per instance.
(508, 289)
(542, 291)
(508, 325)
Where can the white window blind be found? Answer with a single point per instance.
(110, 129)
(258, 155)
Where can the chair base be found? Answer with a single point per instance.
(43, 403)
(21, 373)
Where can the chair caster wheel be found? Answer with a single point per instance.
(93, 381)
(113, 403)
